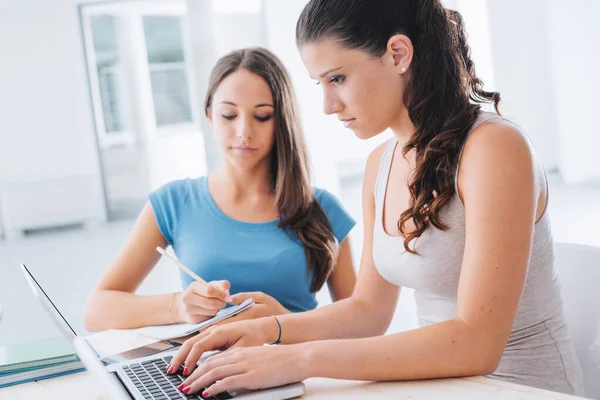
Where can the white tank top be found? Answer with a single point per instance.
(539, 351)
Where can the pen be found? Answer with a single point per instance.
(181, 266)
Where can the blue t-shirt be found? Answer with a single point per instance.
(251, 256)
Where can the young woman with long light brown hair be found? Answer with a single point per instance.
(254, 228)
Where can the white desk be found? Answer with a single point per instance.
(81, 386)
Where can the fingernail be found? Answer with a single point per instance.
(228, 299)
(185, 371)
(187, 389)
(205, 393)
(180, 386)
(169, 369)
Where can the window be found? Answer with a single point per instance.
(138, 71)
(109, 72)
(168, 75)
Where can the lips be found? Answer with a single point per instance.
(348, 122)
(244, 150)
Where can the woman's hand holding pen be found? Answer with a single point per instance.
(201, 301)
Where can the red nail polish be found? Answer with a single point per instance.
(187, 389)
(180, 386)
(169, 368)
(185, 371)
(205, 394)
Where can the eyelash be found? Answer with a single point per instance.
(259, 119)
(337, 79)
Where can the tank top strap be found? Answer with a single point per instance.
(383, 174)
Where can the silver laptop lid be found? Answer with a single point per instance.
(48, 305)
(82, 348)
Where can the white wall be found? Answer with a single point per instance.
(476, 17)
(521, 61)
(46, 129)
(544, 63)
(46, 126)
(574, 54)
(237, 30)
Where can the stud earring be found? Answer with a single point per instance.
(403, 70)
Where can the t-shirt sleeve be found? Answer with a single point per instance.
(341, 221)
(168, 202)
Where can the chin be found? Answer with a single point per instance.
(246, 162)
(241, 162)
(364, 134)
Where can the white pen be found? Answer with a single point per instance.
(181, 266)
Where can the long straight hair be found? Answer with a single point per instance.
(443, 96)
(289, 177)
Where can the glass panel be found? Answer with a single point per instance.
(110, 72)
(168, 73)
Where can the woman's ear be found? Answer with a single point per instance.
(400, 51)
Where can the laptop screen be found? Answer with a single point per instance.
(41, 295)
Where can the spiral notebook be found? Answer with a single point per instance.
(165, 332)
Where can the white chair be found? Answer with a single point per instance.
(579, 273)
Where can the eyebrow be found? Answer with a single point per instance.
(324, 74)
(256, 106)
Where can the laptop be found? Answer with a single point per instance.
(143, 378)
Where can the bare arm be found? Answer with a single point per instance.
(112, 303)
(497, 185)
(342, 281)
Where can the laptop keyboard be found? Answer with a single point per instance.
(153, 382)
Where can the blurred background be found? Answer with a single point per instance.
(101, 103)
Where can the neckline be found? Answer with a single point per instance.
(482, 117)
(212, 205)
(390, 159)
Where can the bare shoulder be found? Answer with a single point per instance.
(498, 144)
(499, 149)
(498, 136)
